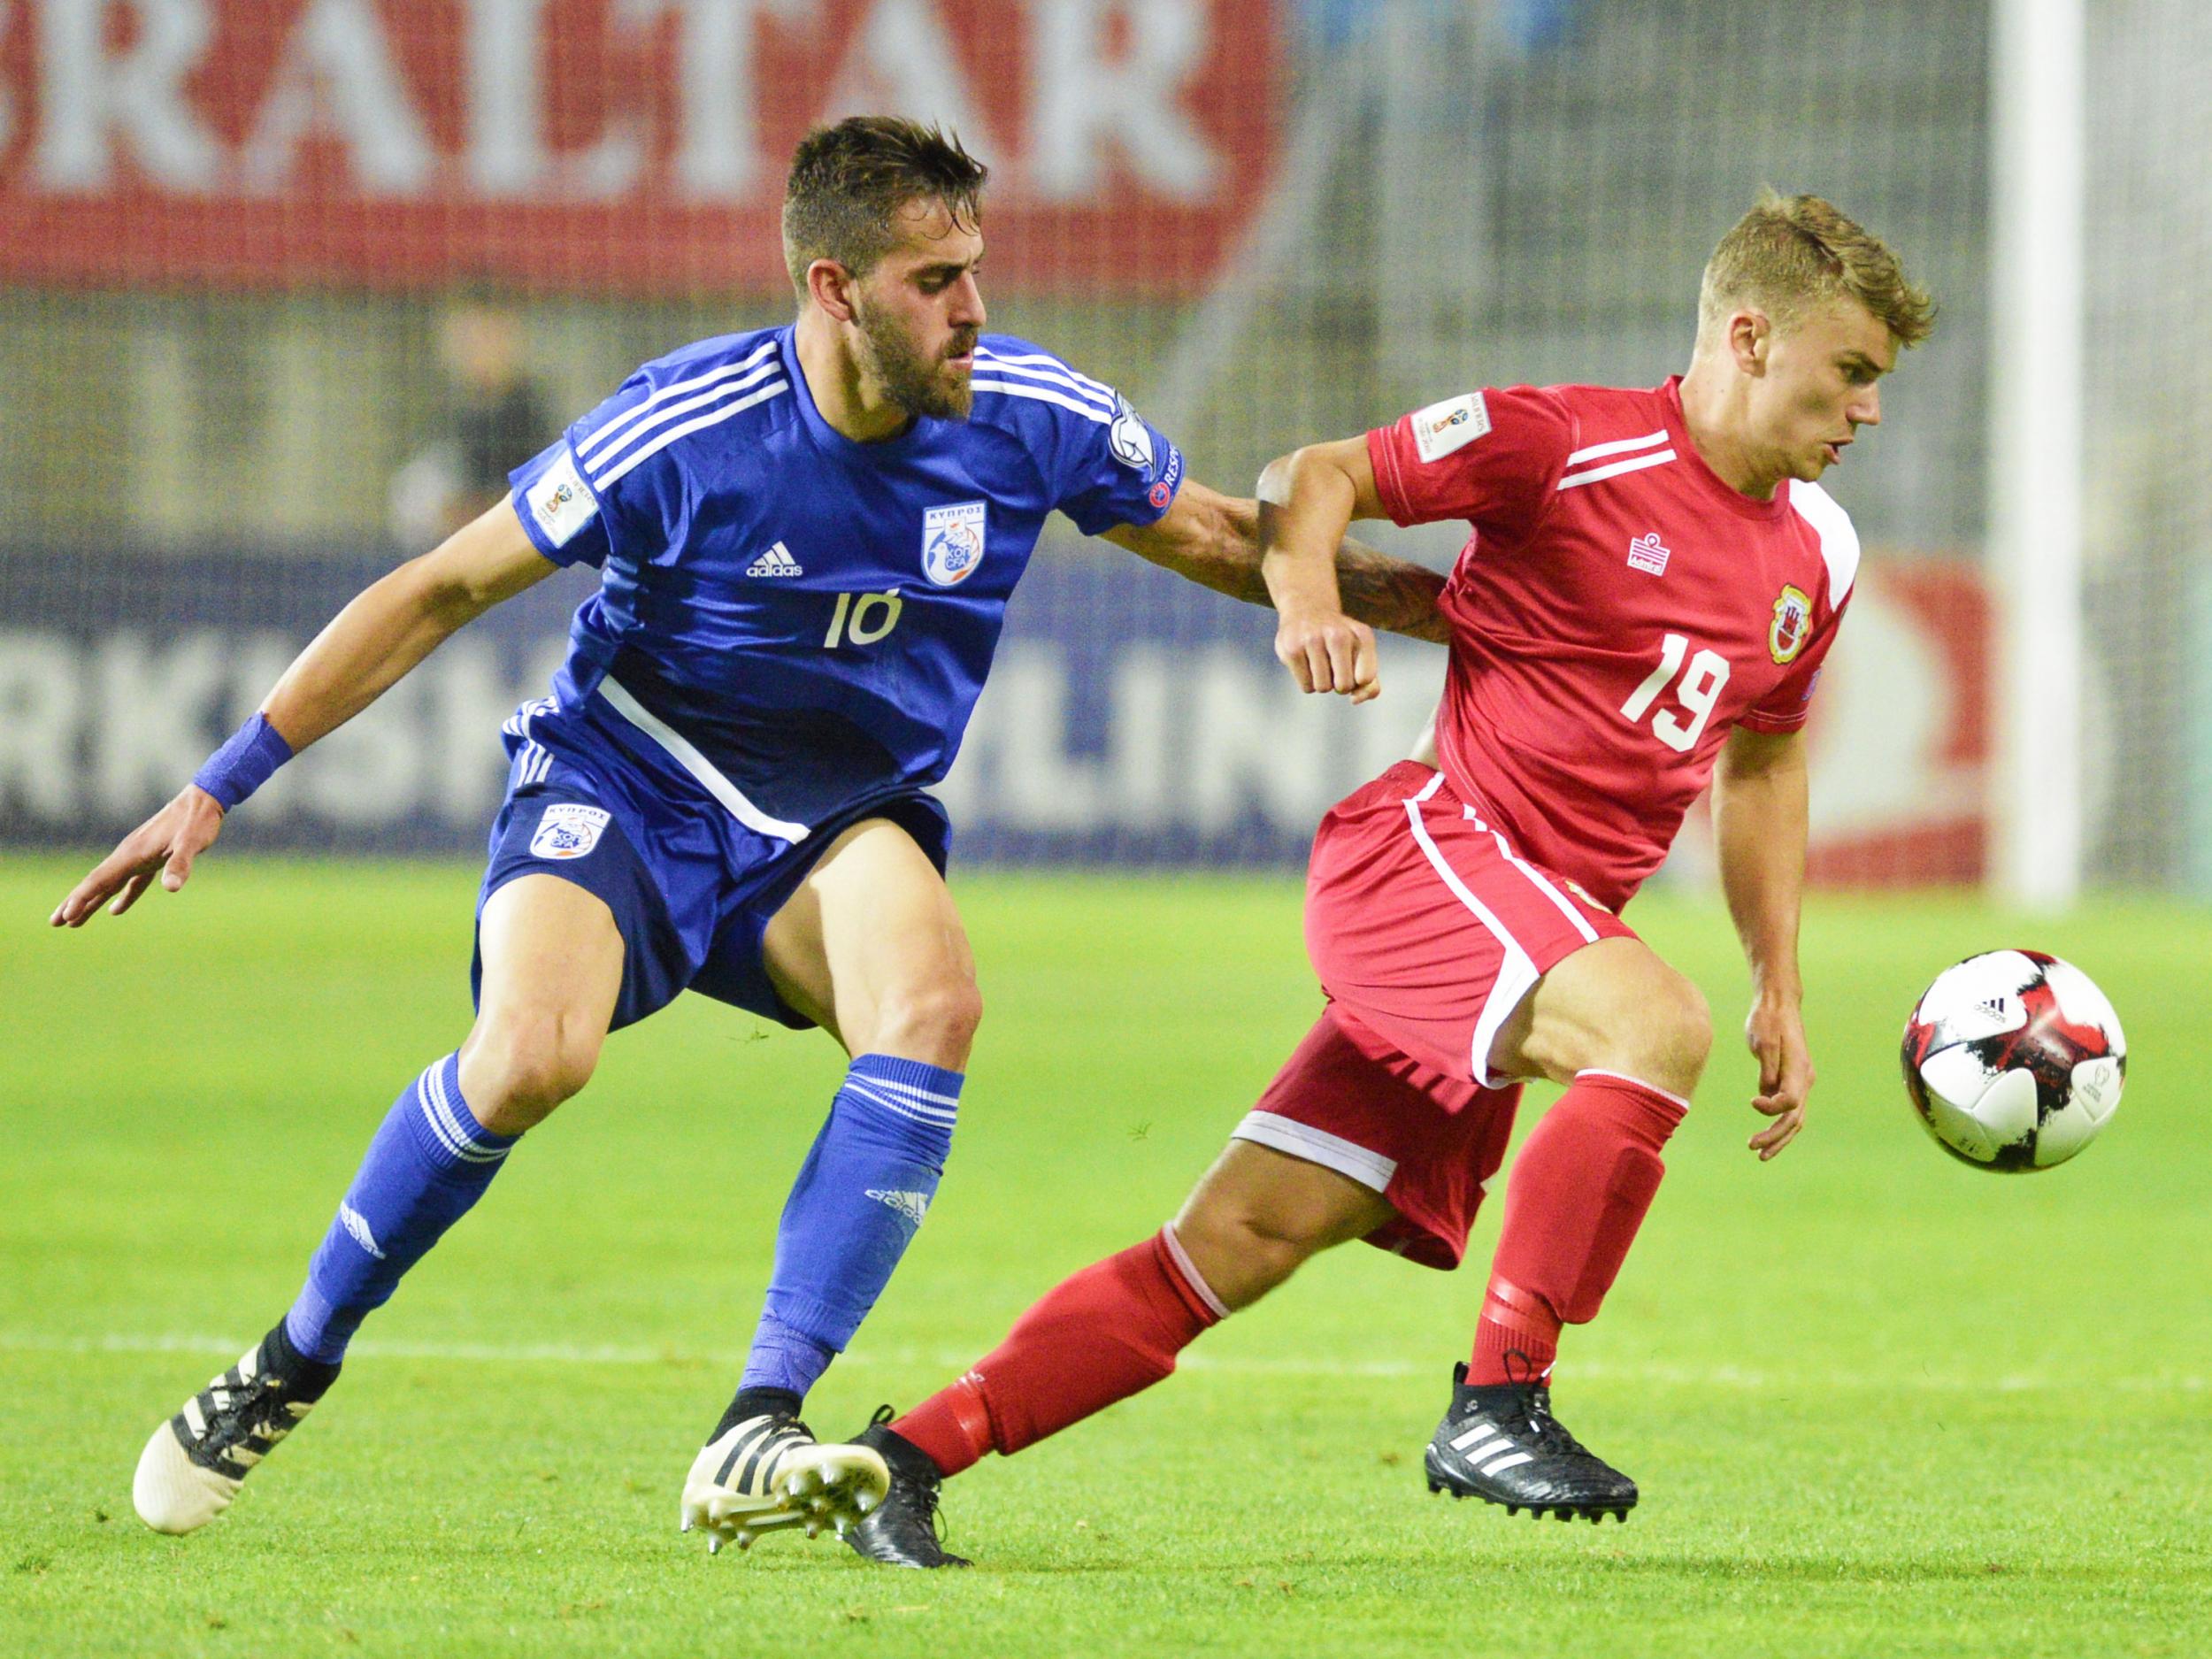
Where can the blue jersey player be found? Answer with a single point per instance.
(807, 537)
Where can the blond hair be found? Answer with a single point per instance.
(1795, 254)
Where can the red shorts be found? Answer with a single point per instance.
(1349, 1101)
(1428, 928)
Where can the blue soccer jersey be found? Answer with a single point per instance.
(803, 622)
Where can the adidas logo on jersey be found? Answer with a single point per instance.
(777, 560)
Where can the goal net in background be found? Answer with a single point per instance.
(286, 284)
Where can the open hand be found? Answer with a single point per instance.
(165, 844)
(1775, 1033)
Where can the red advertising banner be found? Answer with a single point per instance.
(1909, 752)
(630, 146)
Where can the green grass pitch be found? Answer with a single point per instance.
(1880, 1404)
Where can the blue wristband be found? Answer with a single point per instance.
(243, 765)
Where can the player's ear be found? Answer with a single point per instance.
(830, 286)
(1750, 340)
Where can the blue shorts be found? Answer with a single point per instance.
(692, 889)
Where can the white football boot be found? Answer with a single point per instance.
(768, 1472)
(192, 1467)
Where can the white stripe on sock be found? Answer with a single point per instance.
(912, 1091)
(438, 1106)
(859, 1089)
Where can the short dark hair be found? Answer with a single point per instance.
(848, 182)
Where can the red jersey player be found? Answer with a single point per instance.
(1652, 581)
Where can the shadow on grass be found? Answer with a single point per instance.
(1319, 1570)
(1840, 1570)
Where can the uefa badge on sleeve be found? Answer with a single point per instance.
(568, 830)
(952, 542)
(1127, 438)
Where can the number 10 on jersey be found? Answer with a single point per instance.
(863, 619)
(1698, 692)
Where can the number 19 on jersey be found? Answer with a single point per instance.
(1698, 691)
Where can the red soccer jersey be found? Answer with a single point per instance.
(1616, 611)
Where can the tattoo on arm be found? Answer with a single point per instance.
(1393, 594)
(1390, 593)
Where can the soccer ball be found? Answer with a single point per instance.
(2014, 1060)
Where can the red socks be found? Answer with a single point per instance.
(1109, 1331)
(1578, 1191)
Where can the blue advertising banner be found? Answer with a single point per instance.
(1131, 717)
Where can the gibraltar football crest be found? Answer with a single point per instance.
(952, 542)
(1793, 622)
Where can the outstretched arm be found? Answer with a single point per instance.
(390, 626)
(1214, 541)
(1759, 821)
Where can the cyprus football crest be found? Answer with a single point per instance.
(1792, 622)
(568, 830)
(952, 542)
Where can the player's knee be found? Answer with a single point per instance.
(519, 1065)
(934, 1022)
(1674, 1034)
(1241, 1253)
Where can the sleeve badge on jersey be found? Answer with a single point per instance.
(1163, 492)
(559, 502)
(1793, 622)
(1131, 443)
(568, 830)
(1451, 425)
(952, 541)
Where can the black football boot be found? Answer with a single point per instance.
(1501, 1444)
(902, 1529)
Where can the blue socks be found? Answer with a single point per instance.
(429, 1162)
(857, 1202)
(859, 1198)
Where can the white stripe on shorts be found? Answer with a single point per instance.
(1516, 974)
(684, 754)
(1317, 1146)
(1543, 886)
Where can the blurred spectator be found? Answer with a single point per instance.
(495, 419)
